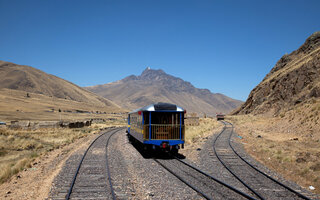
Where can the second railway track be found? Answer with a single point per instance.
(262, 185)
(204, 184)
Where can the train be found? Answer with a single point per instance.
(158, 126)
(220, 116)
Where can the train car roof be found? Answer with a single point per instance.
(164, 107)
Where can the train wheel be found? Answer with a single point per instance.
(148, 151)
(174, 150)
(130, 138)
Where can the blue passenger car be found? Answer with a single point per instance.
(157, 126)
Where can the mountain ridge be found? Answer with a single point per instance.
(29, 79)
(293, 80)
(157, 86)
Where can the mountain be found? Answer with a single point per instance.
(294, 80)
(156, 86)
(31, 80)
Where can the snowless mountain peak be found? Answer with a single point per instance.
(157, 86)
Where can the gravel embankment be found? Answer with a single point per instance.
(62, 181)
(91, 179)
(132, 175)
(136, 177)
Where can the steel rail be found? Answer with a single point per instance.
(237, 177)
(183, 180)
(108, 168)
(261, 172)
(80, 163)
(217, 180)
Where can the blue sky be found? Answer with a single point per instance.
(224, 46)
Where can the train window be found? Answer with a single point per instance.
(165, 118)
(172, 118)
(139, 121)
(146, 117)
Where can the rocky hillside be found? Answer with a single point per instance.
(157, 86)
(295, 79)
(29, 79)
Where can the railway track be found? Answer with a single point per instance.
(92, 178)
(204, 184)
(259, 183)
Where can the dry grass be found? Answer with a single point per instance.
(19, 148)
(196, 136)
(117, 122)
(206, 127)
(288, 144)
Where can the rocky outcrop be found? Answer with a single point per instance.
(294, 79)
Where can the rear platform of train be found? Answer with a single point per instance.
(158, 126)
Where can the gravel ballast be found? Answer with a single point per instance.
(137, 176)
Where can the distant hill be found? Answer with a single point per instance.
(157, 86)
(29, 79)
(294, 80)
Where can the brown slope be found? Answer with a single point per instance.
(29, 79)
(294, 79)
(157, 86)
